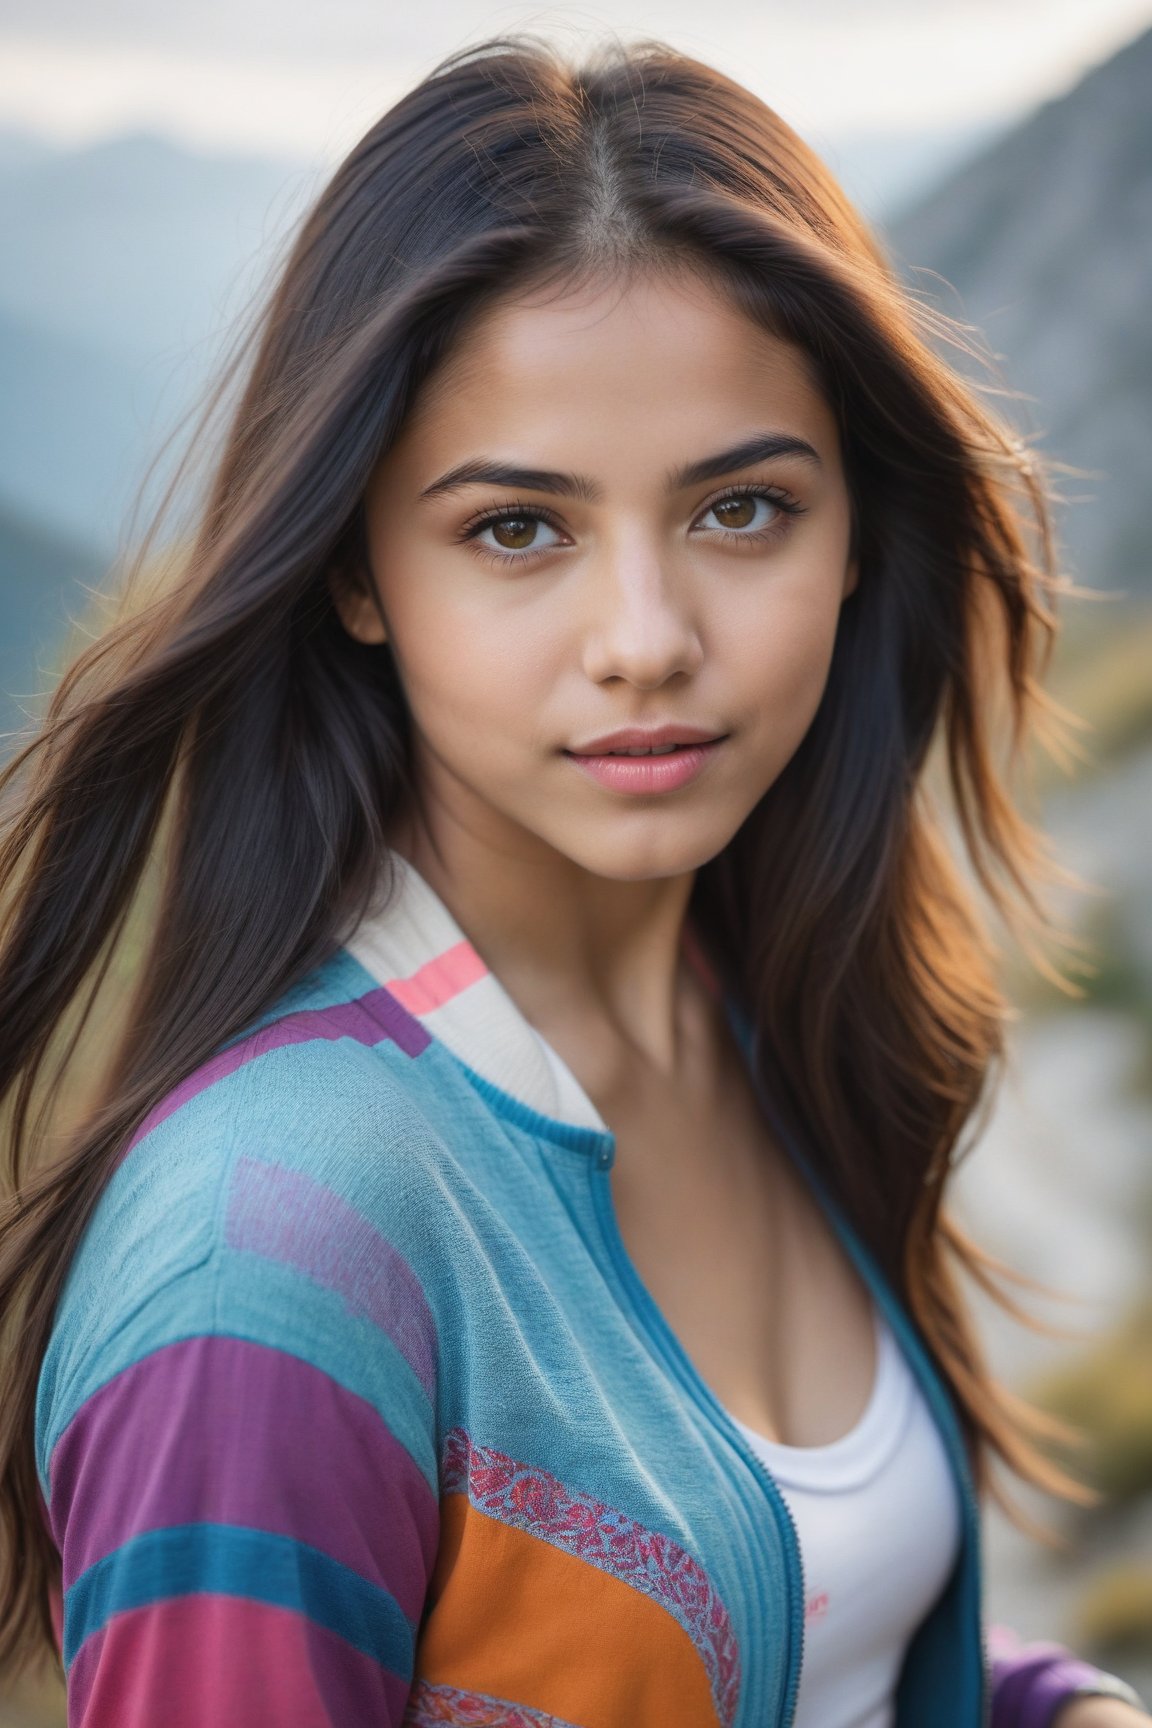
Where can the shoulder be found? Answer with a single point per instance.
(325, 1090)
(286, 1197)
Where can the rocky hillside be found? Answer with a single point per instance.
(1046, 240)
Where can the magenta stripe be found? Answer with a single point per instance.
(366, 1019)
(224, 1431)
(206, 1658)
(287, 1216)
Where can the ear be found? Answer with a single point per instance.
(851, 578)
(357, 607)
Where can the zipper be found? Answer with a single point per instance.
(797, 1592)
(796, 1585)
(648, 1314)
(683, 1367)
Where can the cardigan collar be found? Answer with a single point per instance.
(418, 951)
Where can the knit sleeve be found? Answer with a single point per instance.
(1029, 1680)
(242, 1481)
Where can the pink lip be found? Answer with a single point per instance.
(648, 773)
(644, 738)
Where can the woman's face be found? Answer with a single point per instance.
(673, 554)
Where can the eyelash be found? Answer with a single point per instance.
(534, 512)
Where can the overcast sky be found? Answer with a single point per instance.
(304, 77)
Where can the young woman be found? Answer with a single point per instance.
(503, 1275)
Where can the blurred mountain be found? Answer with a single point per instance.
(42, 588)
(136, 245)
(134, 257)
(1046, 238)
(74, 425)
(885, 173)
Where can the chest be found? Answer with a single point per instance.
(737, 1254)
(589, 1490)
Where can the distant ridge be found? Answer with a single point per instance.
(1046, 236)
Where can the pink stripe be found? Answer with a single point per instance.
(287, 1216)
(220, 1430)
(439, 979)
(229, 1661)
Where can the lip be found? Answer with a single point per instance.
(645, 738)
(648, 774)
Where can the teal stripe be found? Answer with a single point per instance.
(229, 1560)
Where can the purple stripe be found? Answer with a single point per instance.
(366, 1019)
(1030, 1679)
(287, 1216)
(222, 1430)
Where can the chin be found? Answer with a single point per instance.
(649, 858)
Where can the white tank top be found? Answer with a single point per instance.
(878, 1519)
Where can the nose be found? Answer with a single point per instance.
(643, 626)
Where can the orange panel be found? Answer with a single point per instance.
(520, 1619)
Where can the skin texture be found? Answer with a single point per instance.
(634, 608)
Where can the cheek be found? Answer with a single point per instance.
(473, 673)
(783, 649)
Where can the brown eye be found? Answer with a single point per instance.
(735, 512)
(515, 533)
(738, 514)
(515, 537)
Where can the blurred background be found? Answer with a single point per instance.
(153, 162)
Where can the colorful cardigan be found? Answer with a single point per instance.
(356, 1411)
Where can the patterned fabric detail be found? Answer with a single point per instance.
(430, 1704)
(537, 1502)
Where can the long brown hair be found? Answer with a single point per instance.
(227, 756)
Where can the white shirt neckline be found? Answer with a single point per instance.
(856, 1456)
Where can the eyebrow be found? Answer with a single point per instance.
(760, 447)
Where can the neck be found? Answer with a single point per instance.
(583, 956)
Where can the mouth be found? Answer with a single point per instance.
(654, 750)
(647, 740)
(635, 768)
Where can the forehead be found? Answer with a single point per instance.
(658, 352)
